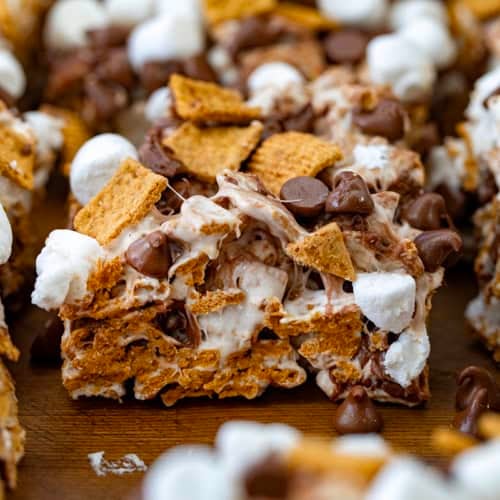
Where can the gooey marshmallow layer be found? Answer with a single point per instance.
(6, 237)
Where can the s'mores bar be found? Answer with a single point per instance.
(253, 461)
(222, 288)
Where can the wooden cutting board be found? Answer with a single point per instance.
(62, 432)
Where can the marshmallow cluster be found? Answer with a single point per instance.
(408, 59)
(96, 162)
(279, 75)
(12, 77)
(63, 268)
(6, 237)
(359, 13)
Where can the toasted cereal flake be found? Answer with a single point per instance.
(17, 156)
(325, 251)
(207, 102)
(309, 17)
(129, 195)
(216, 300)
(206, 152)
(292, 154)
(217, 11)
(483, 8)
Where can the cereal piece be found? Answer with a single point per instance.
(305, 16)
(306, 55)
(7, 348)
(450, 441)
(75, 134)
(325, 251)
(489, 425)
(207, 102)
(205, 152)
(124, 201)
(318, 457)
(291, 154)
(482, 8)
(217, 11)
(216, 300)
(17, 156)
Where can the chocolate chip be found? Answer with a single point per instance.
(427, 212)
(111, 36)
(179, 324)
(345, 47)
(456, 202)
(170, 201)
(254, 32)
(303, 121)
(154, 75)
(349, 195)
(46, 347)
(304, 196)
(156, 157)
(103, 99)
(440, 247)
(150, 255)
(357, 414)
(470, 381)
(387, 119)
(197, 67)
(425, 138)
(115, 67)
(268, 479)
(466, 420)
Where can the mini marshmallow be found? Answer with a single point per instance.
(187, 473)
(186, 8)
(96, 162)
(128, 12)
(48, 132)
(279, 75)
(69, 20)
(407, 11)
(433, 38)
(483, 88)
(407, 479)
(63, 267)
(394, 60)
(406, 358)
(241, 444)
(365, 445)
(372, 155)
(159, 105)
(12, 77)
(163, 38)
(476, 470)
(387, 299)
(6, 237)
(361, 13)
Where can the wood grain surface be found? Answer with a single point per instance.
(62, 432)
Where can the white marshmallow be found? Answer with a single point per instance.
(63, 267)
(372, 155)
(387, 299)
(476, 471)
(433, 38)
(185, 8)
(408, 479)
(362, 13)
(48, 132)
(6, 237)
(187, 473)
(12, 77)
(163, 38)
(407, 11)
(406, 358)
(128, 12)
(159, 105)
(365, 445)
(241, 444)
(483, 88)
(279, 75)
(393, 60)
(96, 162)
(69, 20)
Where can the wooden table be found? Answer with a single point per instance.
(61, 432)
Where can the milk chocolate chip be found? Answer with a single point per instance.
(387, 119)
(156, 157)
(427, 212)
(440, 247)
(304, 196)
(150, 255)
(466, 420)
(470, 381)
(357, 414)
(349, 195)
(269, 479)
(345, 47)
